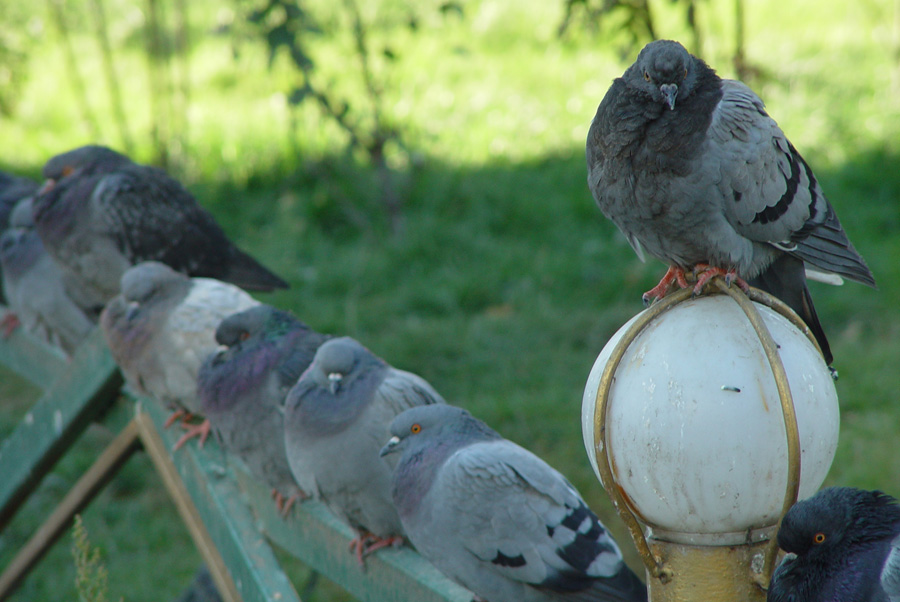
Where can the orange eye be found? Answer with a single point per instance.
(244, 336)
(819, 538)
(67, 170)
(646, 76)
(685, 72)
(415, 429)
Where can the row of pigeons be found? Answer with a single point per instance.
(308, 414)
(689, 166)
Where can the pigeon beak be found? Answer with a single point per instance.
(131, 310)
(47, 187)
(669, 92)
(334, 382)
(390, 447)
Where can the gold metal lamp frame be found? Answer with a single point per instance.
(688, 573)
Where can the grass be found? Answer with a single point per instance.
(507, 281)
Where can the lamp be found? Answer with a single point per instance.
(697, 417)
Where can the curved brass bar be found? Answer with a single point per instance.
(604, 467)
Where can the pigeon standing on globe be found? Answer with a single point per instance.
(693, 171)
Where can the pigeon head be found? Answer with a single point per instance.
(151, 280)
(85, 160)
(664, 71)
(19, 249)
(259, 322)
(838, 518)
(427, 425)
(339, 362)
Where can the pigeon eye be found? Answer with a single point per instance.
(819, 538)
(647, 75)
(415, 429)
(67, 170)
(244, 335)
(685, 73)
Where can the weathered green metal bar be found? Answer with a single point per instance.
(317, 537)
(34, 360)
(254, 569)
(85, 388)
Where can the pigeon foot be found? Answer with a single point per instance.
(366, 543)
(201, 431)
(705, 272)
(284, 504)
(674, 274)
(8, 324)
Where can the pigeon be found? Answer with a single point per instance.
(242, 388)
(100, 213)
(497, 519)
(692, 170)
(161, 328)
(842, 544)
(12, 190)
(336, 420)
(35, 292)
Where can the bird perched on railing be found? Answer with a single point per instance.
(693, 170)
(161, 328)
(336, 420)
(100, 213)
(843, 544)
(243, 385)
(496, 518)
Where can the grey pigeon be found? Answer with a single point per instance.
(693, 170)
(842, 545)
(100, 213)
(12, 190)
(336, 420)
(161, 328)
(494, 517)
(242, 388)
(34, 290)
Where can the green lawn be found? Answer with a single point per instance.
(506, 281)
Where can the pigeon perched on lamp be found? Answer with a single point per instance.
(693, 171)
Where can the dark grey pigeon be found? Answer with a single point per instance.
(336, 420)
(842, 545)
(161, 328)
(242, 388)
(496, 518)
(693, 170)
(100, 213)
(34, 290)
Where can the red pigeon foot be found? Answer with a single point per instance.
(200, 431)
(284, 504)
(706, 272)
(176, 415)
(9, 323)
(673, 274)
(366, 543)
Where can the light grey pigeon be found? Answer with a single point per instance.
(161, 328)
(243, 385)
(336, 419)
(693, 170)
(100, 213)
(34, 290)
(494, 517)
(842, 545)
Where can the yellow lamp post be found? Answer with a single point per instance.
(697, 417)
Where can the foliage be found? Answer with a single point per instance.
(91, 577)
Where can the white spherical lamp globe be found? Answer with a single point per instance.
(694, 427)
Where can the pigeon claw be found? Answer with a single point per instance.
(201, 431)
(175, 416)
(706, 272)
(674, 274)
(284, 504)
(8, 324)
(365, 543)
